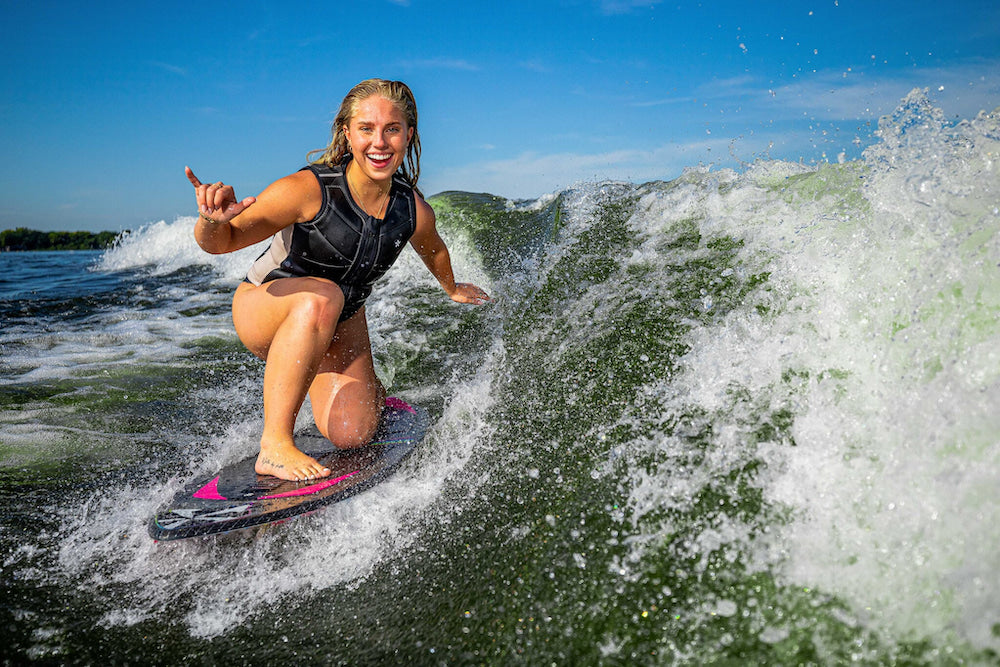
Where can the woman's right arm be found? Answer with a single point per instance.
(226, 224)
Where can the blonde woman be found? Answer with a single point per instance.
(336, 227)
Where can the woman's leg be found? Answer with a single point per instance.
(291, 323)
(347, 398)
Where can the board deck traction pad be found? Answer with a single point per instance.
(237, 497)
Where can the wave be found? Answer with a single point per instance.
(734, 416)
(789, 369)
(163, 248)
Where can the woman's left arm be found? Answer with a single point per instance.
(432, 250)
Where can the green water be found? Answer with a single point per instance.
(728, 419)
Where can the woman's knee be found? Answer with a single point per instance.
(319, 307)
(350, 431)
(351, 419)
(259, 312)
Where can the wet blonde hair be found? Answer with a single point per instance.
(396, 92)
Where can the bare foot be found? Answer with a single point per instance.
(284, 461)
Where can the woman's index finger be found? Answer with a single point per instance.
(191, 177)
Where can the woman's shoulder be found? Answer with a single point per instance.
(300, 183)
(425, 213)
(292, 198)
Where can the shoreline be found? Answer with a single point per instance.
(23, 239)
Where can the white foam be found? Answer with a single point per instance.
(219, 582)
(881, 336)
(153, 331)
(877, 331)
(232, 577)
(163, 248)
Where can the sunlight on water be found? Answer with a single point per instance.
(168, 247)
(735, 417)
(219, 582)
(879, 332)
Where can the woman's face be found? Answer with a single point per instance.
(378, 135)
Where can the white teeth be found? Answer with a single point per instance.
(379, 156)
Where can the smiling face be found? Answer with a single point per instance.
(378, 135)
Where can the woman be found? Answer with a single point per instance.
(337, 225)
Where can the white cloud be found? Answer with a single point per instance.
(533, 174)
(728, 88)
(659, 103)
(535, 66)
(167, 67)
(611, 7)
(961, 90)
(778, 123)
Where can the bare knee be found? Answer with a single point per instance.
(350, 431)
(352, 418)
(319, 309)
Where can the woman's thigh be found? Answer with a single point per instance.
(259, 311)
(346, 396)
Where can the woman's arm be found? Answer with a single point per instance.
(433, 251)
(226, 224)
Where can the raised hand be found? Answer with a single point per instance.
(217, 202)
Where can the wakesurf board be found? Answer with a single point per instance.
(237, 497)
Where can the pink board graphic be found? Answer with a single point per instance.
(306, 490)
(237, 497)
(209, 491)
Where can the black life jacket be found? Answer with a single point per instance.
(342, 243)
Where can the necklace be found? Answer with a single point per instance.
(380, 210)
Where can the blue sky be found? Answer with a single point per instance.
(103, 105)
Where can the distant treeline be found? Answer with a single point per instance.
(31, 239)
